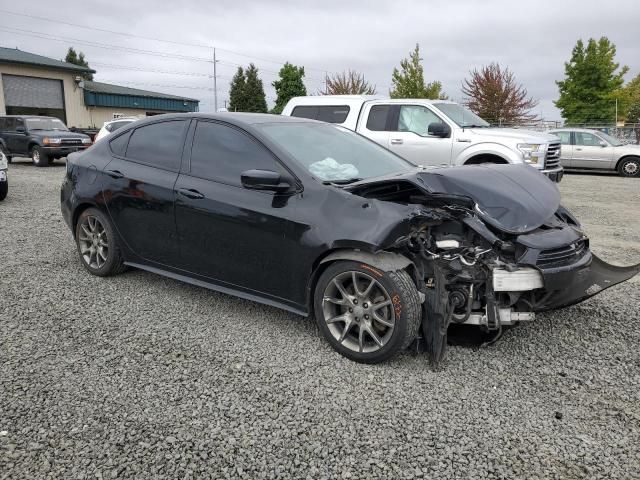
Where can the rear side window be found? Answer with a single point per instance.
(324, 113)
(119, 144)
(377, 121)
(221, 153)
(158, 144)
(112, 127)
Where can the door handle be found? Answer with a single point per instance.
(579, 149)
(190, 193)
(114, 173)
(396, 141)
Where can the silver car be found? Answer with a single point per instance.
(584, 149)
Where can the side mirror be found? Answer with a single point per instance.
(438, 129)
(21, 130)
(264, 180)
(602, 143)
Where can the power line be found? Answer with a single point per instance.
(143, 37)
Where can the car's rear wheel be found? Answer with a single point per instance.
(366, 314)
(630, 167)
(97, 244)
(39, 157)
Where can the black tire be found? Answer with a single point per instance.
(406, 310)
(629, 167)
(4, 189)
(113, 264)
(39, 157)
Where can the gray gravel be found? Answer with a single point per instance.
(138, 376)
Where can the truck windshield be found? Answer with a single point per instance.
(332, 153)
(45, 124)
(460, 115)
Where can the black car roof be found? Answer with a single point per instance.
(235, 118)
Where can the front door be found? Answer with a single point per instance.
(227, 233)
(412, 141)
(138, 190)
(591, 151)
(566, 150)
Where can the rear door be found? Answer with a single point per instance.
(376, 122)
(138, 188)
(591, 151)
(412, 141)
(227, 233)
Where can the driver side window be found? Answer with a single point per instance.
(416, 119)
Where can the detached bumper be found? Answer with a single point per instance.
(583, 280)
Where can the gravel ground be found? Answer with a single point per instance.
(139, 376)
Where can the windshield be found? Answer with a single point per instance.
(460, 115)
(333, 153)
(612, 140)
(45, 124)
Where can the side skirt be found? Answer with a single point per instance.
(218, 288)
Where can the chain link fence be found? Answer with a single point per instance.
(629, 133)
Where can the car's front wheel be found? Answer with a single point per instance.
(630, 167)
(4, 189)
(39, 157)
(366, 314)
(97, 244)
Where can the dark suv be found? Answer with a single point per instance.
(42, 138)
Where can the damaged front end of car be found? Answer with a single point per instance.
(490, 246)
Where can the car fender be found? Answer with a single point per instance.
(496, 149)
(387, 261)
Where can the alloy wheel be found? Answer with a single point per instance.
(358, 311)
(92, 239)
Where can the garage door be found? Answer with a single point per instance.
(32, 92)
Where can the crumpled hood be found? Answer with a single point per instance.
(513, 198)
(524, 136)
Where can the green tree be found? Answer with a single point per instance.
(348, 83)
(408, 82)
(630, 96)
(289, 85)
(78, 59)
(255, 100)
(592, 81)
(237, 101)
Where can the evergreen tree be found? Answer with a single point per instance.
(409, 81)
(289, 85)
(237, 101)
(255, 100)
(78, 59)
(592, 82)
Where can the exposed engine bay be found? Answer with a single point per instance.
(482, 258)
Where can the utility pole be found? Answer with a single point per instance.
(215, 82)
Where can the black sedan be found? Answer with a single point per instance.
(315, 219)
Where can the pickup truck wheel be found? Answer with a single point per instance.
(366, 314)
(630, 167)
(4, 189)
(38, 157)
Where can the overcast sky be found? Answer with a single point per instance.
(533, 38)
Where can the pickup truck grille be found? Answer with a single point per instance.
(559, 257)
(552, 159)
(71, 141)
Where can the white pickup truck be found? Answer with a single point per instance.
(432, 133)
